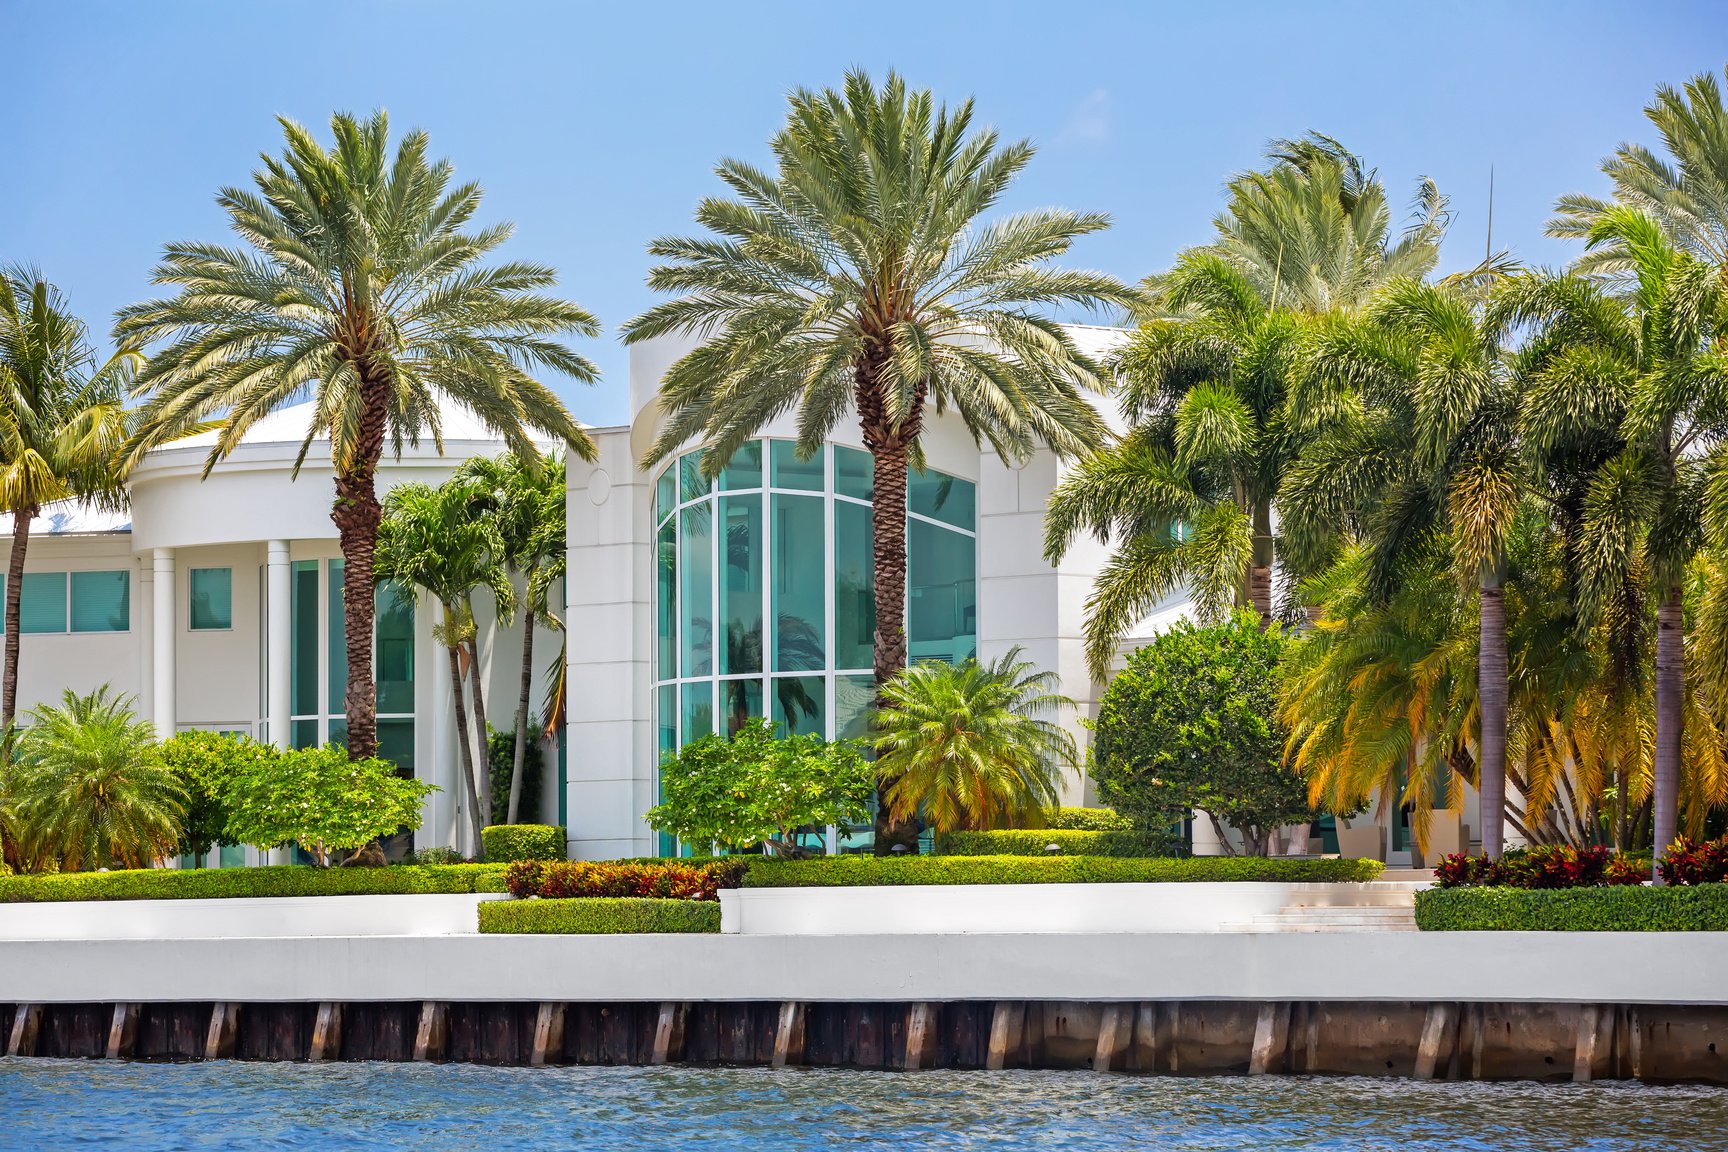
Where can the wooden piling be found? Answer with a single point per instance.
(326, 1033)
(26, 1029)
(789, 1035)
(122, 1032)
(433, 1031)
(1594, 1037)
(548, 1033)
(224, 1027)
(1439, 1039)
(1007, 1027)
(668, 1033)
(1271, 1035)
(1115, 1028)
(920, 1035)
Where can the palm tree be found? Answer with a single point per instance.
(1187, 494)
(971, 745)
(91, 787)
(62, 420)
(857, 278)
(356, 283)
(525, 498)
(429, 538)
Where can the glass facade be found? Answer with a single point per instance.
(777, 550)
(318, 663)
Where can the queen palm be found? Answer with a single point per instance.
(972, 745)
(858, 279)
(430, 538)
(357, 283)
(62, 421)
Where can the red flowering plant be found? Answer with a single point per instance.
(668, 880)
(1688, 862)
(1543, 866)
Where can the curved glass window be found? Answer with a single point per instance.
(764, 597)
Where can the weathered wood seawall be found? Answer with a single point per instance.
(1437, 1040)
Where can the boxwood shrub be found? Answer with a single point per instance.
(1087, 820)
(595, 915)
(1037, 841)
(279, 880)
(848, 871)
(1699, 908)
(503, 843)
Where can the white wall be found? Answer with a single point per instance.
(49, 663)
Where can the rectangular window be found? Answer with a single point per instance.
(698, 710)
(742, 700)
(303, 645)
(854, 473)
(101, 601)
(696, 590)
(691, 482)
(854, 588)
(854, 696)
(745, 470)
(395, 657)
(741, 583)
(941, 593)
(396, 744)
(42, 603)
(212, 599)
(335, 623)
(666, 493)
(799, 601)
(666, 601)
(798, 704)
(791, 472)
(942, 497)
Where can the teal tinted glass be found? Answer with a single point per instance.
(665, 493)
(745, 470)
(101, 601)
(665, 720)
(799, 598)
(231, 856)
(741, 583)
(303, 654)
(854, 473)
(943, 497)
(335, 624)
(691, 482)
(696, 717)
(695, 590)
(395, 654)
(854, 588)
(941, 593)
(396, 744)
(303, 734)
(42, 602)
(742, 700)
(212, 598)
(799, 704)
(787, 471)
(853, 698)
(666, 601)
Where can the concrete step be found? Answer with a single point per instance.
(1321, 918)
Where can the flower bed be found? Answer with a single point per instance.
(1545, 866)
(238, 883)
(1037, 842)
(1621, 908)
(599, 916)
(662, 879)
(846, 871)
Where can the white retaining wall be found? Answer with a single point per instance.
(271, 917)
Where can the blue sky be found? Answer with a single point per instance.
(596, 127)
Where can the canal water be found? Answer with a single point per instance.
(52, 1104)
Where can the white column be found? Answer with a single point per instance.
(162, 637)
(279, 641)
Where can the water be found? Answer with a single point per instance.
(53, 1104)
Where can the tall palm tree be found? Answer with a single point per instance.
(430, 538)
(62, 421)
(858, 279)
(90, 783)
(525, 499)
(972, 745)
(1187, 494)
(358, 283)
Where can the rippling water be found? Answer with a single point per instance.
(60, 1104)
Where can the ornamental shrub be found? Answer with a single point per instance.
(849, 871)
(1691, 863)
(506, 842)
(667, 879)
(1621, 908)
(1037, 842)
(598, 916)
(1087, 820)
(321, 800)
(206, 762)
(501, 762)
(1542, 866)
(1192, 722)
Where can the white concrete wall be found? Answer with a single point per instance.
(217, 673)
(227, 919)
(50, 663)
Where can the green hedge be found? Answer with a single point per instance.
(596, 915)
(1037, 841)
(1088, 820)
(504, 843)
(279, 880)
(846, 871)
(1625, 908)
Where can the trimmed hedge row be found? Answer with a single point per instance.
(1037, 841)
(1699, 908)
(229, 883)
(598, 915)
(1087, 820)
(849, 871)
(504, 843)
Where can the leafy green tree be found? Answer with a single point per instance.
(525, 499)
(528, 776)
(321, 800)
(62, 421)
(1192, 723)
(89, 785)
(970, 745)
(757, 788)
(205, 762)
(357, 282)
(430, 538)
(857, 278)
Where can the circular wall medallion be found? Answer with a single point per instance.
(599, 486)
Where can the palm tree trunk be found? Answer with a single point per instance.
(1491, 696)
(1260, 566)
(483, 735)
(1670, 683)
(522, 713)
(888, 538)
(466, 745)
(14, 591)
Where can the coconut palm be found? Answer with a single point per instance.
(90, 785)
(858, 279)
(358, 283)
(430, 538)
(62, 421)
(971, 745)
(525, 499)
